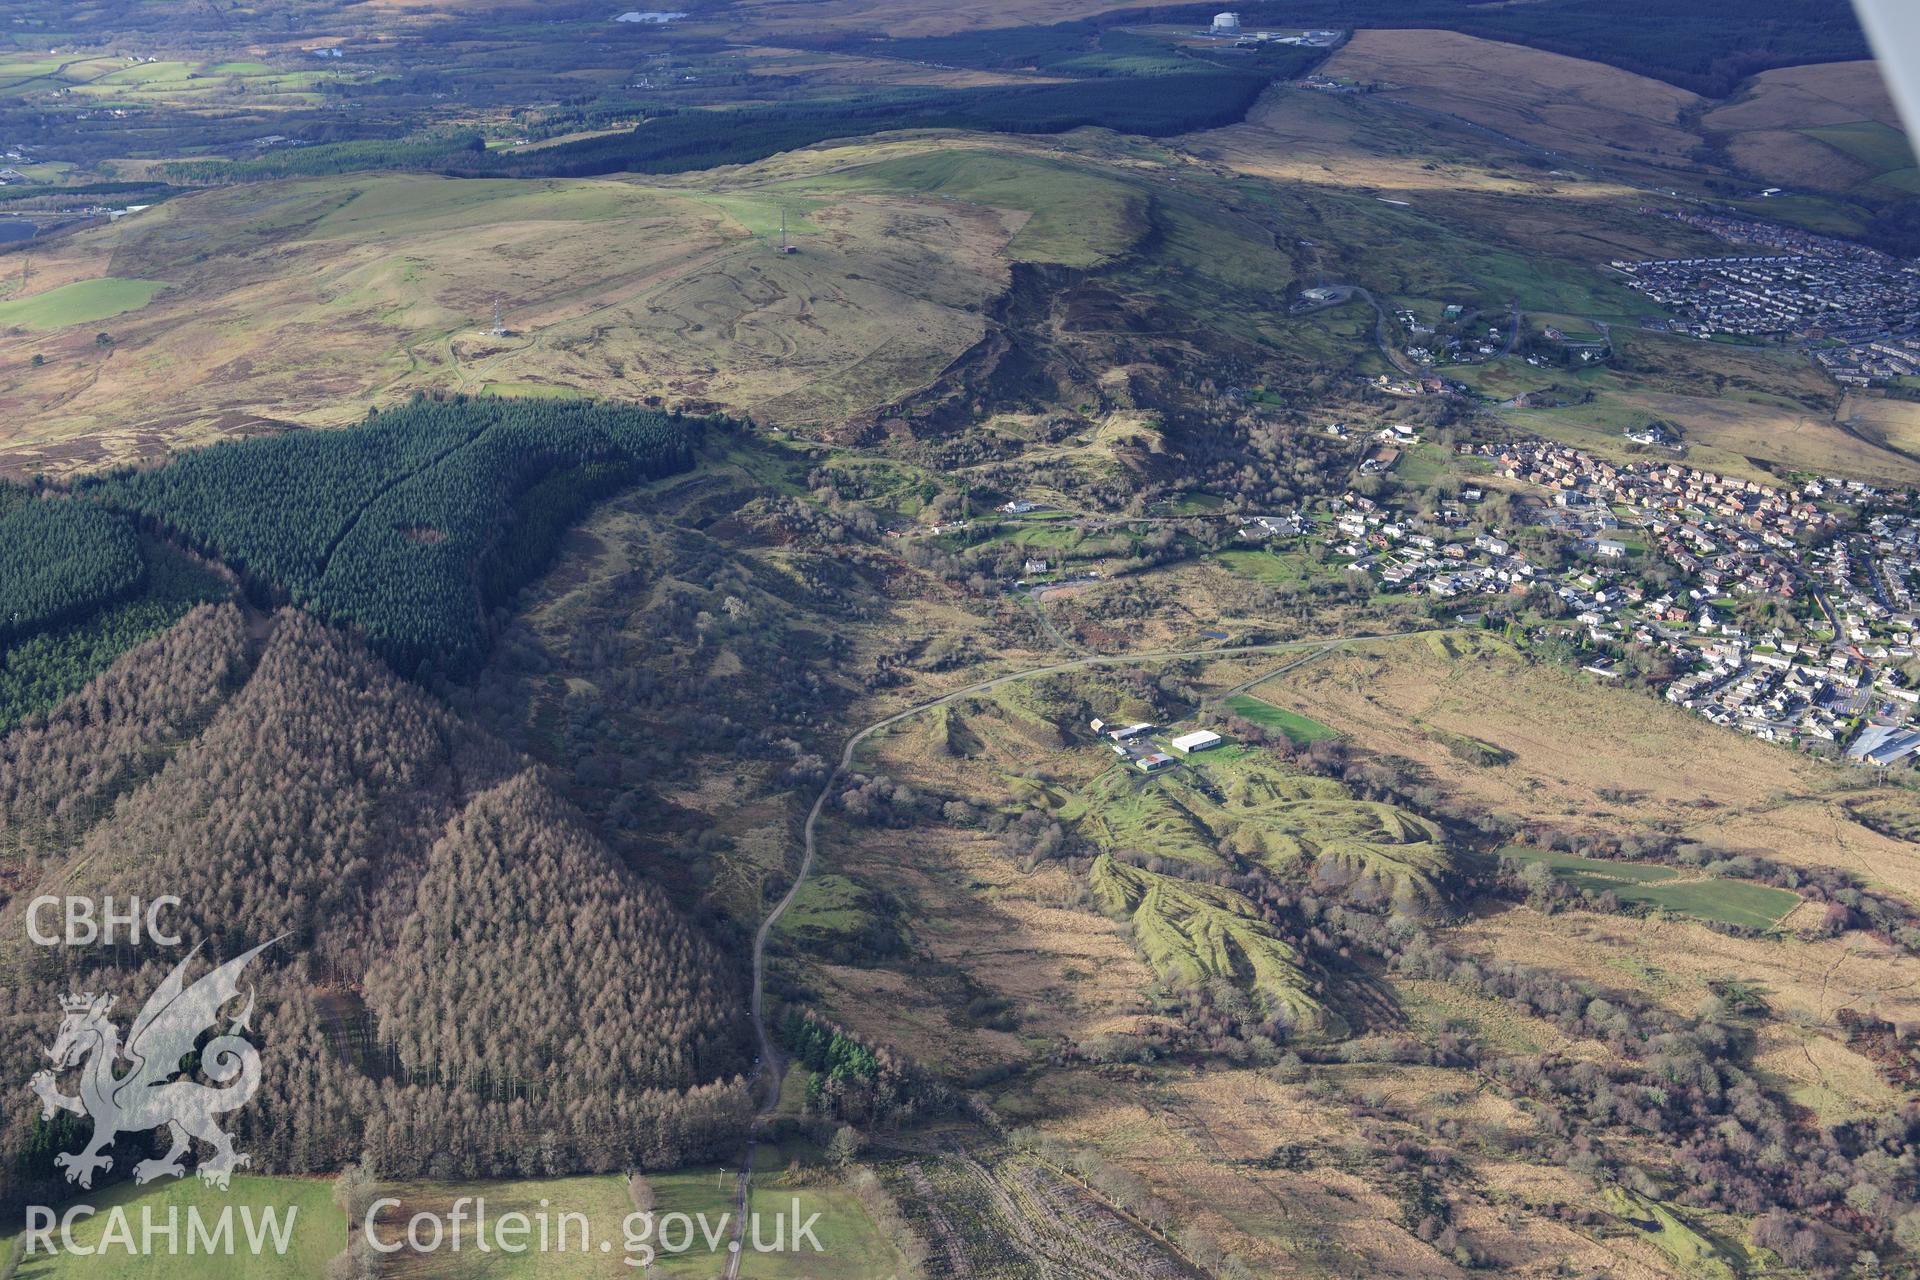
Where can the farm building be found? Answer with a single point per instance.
(1154, 762)
(1199, 740)
(1131, 731)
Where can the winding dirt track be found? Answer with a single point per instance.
(769, 1071)
(769, 1061)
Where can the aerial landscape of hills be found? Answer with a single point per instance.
(1042, 640)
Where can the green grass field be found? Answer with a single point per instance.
(1902, 180)
(760, 216)
(1828, 214)
(1421, 466)
(602, 1200)
(318, 1230)
(835, 913)
(828, 902)
(1734, 902)
(851, 1246)
(1596, 873)
(1276, 568)
(793, 1090)
(1052, 539)
(1873, 144)
(1192, 504)
(1751, 906)
(1267, 716)
(83, 302)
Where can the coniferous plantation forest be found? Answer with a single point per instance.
(414, 523)
(63, 559)
(308, 793)
(962, 641)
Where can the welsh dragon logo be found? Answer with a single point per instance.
(151, 1093)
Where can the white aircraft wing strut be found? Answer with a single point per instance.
(1894, 28)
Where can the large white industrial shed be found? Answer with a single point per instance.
(1199, 740)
